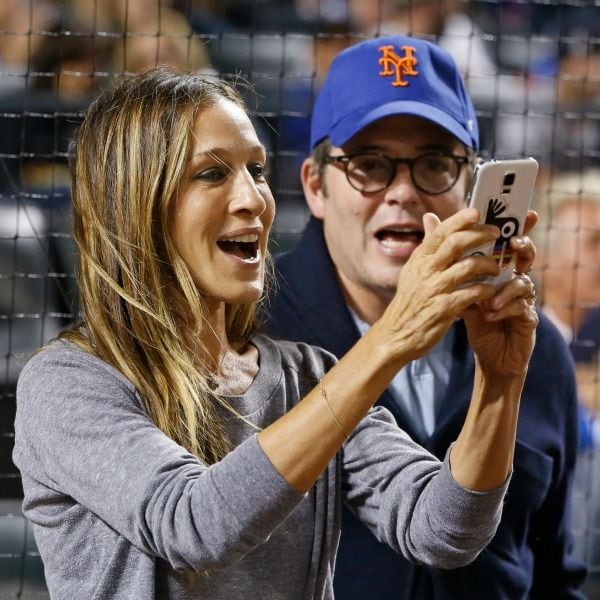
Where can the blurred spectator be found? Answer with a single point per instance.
(568, 241)
(577, 126)
(21, 24)
(146, 33)
(72, 67)
(579, 80)
(553, 47)
(297, 97)
(156, 34)
(66, 68)
(445, 22)
(207, 17)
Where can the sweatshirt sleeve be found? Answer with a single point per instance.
(80, 432)
(409, 499)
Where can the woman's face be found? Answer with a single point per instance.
(224, 208)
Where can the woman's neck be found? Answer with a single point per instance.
(214, 335)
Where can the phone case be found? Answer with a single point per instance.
(502, 191)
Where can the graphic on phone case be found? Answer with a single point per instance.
(508, 226)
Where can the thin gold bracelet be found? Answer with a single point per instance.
(337, 421)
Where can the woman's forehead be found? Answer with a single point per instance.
(224, 124)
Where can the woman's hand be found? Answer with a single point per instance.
(431, 293)
(501, 329)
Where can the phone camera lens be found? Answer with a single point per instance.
(509, 179)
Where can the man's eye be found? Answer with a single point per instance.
(436, 164)
(212, 174)
(369, 165)
(259, 172)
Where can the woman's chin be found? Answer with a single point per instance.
(248, 295)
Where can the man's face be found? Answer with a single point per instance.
(573, 267)
(370, 236)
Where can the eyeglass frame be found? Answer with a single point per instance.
(344, 160)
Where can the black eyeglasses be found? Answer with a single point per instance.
(433, 173)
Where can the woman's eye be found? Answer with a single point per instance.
(258, 171)
(212, 174)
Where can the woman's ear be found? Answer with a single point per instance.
(312, 185)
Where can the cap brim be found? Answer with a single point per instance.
(346, 128)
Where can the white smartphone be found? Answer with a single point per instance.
(502, 191)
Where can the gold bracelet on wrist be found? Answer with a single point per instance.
(337, 421)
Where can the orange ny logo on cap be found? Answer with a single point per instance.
(399, 66)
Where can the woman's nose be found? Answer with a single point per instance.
(247, 196)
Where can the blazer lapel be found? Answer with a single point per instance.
(308, 278)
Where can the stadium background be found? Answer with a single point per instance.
(532, 68)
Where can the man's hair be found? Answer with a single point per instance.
(320, 153)
(318, 157)
(142, 312)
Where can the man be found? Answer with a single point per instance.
(393, 136)
(568, 240)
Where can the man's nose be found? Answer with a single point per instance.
(401, 188)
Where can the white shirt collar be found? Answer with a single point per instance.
(565, 330)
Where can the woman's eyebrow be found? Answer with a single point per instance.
(213, 153)
(217, 158)
(226, 150)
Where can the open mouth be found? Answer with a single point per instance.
(393, 237)
(244, 247)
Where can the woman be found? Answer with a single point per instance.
(168, 452)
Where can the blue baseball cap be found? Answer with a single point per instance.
(392, 75)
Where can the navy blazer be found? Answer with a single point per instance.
(530, 555)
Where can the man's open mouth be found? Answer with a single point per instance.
(393, 236)
(242, 246)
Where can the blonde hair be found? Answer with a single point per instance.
(139, 302)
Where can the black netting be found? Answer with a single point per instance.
(532, 68)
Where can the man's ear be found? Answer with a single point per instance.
(312, 186)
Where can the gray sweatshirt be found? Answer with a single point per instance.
(120, 511)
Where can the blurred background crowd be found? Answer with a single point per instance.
(533, 71)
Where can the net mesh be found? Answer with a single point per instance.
(532, 68)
